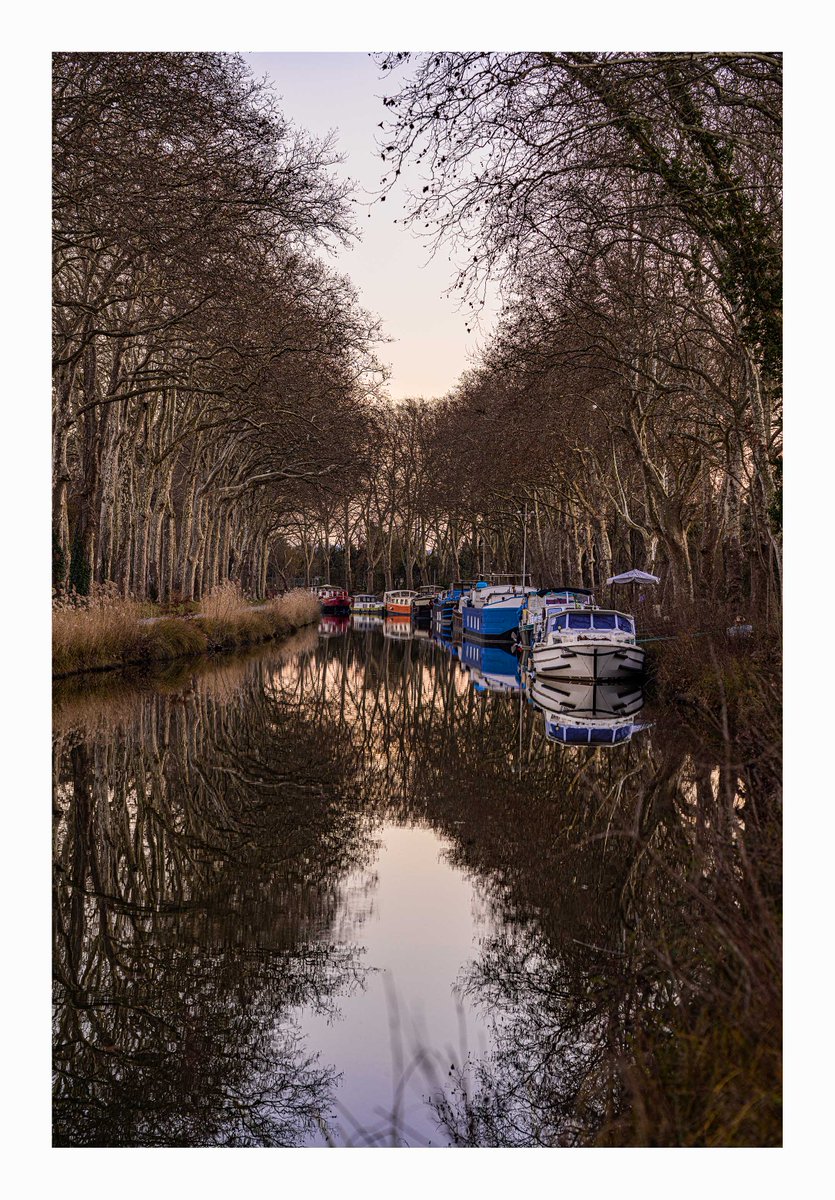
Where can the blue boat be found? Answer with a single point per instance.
(444, 605)
(491, 610)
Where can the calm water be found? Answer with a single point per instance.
(352, 890)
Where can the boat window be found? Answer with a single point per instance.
(579, 621)
(623, 734)
(560, 621)
(625, 624)
(604, 621)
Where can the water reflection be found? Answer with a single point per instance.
(285, 883)
(399, 628)
(333, 626)
(594, 713)
(491, 668)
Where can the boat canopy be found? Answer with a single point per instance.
(594, 620)
(568, 596)
(574, 591)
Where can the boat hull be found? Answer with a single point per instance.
(398, 610)
(492, 622)
(585, 660)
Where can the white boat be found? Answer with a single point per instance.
(587, 644)
(547, 600)
(368, 604)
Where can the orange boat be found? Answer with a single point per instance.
(399, 602)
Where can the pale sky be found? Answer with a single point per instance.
(341, 92)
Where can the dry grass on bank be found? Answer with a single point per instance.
(105, 629)
(95, 632)
(227, 619)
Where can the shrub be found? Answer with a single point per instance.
(173, 638)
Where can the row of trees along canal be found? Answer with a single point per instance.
(215, 410)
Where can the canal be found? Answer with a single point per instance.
(359, 889)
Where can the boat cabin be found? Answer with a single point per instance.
(593, 621)
(484, 594)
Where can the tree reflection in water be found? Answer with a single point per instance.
(201, 836)
(205, 835)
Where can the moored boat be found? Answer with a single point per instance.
(589, 643)
(445, 604)
(547, 600)
(422, 605)
(398, 602)
(335, 601)
(368, 604)
(491, 610)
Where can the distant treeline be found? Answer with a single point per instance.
(627, 206)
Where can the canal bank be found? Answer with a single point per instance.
(107, 632)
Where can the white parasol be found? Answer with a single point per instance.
(633, 577)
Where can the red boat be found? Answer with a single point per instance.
(335, 601)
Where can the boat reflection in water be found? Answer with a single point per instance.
(333, 626)
(588, 713)
(399, 628)
(491, 668)
(363, 623)
(447, 645)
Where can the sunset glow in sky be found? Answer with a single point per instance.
(342, 92)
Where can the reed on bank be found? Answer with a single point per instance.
(106, 630)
